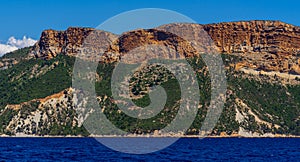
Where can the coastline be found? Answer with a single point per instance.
(151, 136)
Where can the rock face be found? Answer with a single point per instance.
(54, 42)
(272, 37)
(75, 40)
(135, 39)
(43, 116)
(266, 45)
(146, 44)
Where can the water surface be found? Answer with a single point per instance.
(185, 149)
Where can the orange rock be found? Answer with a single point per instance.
(255, 37)
(295, 69)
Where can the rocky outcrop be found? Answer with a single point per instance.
(273, 37)
(52, 115)
(146, 44)
(295, 68)
(77, 40)
(54, 42)
(255, 37)
(265, 45)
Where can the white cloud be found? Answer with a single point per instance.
(4, 48)
(14, 44)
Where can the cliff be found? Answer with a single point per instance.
(273, 37)
(264, 45)
(54, 42)
(255, 37)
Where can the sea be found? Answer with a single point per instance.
(185, 149)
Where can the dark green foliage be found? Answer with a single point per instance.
(19, 83)
(105, 72)
(227, 122)
(266, 98)
(171, 86)
(134, 125)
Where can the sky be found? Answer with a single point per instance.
(29, 18)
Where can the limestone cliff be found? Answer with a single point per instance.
(264, 45)
(255, 37)
(54, 42)
(273, 37)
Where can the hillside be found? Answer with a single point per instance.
(262, 67)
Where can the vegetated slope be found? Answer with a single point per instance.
(14, 57)
(37, 98)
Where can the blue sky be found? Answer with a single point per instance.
(19, 18)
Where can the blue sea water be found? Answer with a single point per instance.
(185, 149)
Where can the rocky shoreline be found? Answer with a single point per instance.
(153, 136)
